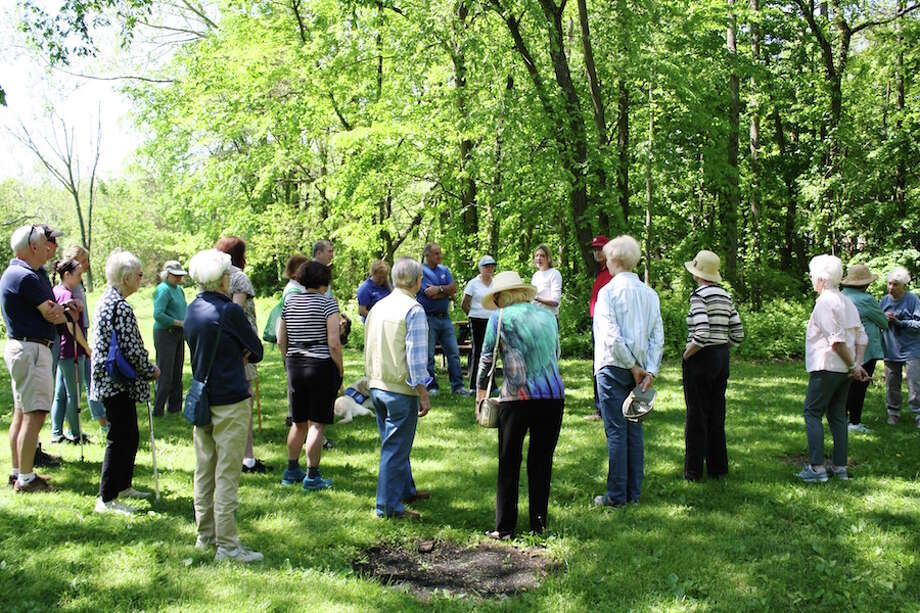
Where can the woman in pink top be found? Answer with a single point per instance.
(74, 350)
(835, 342)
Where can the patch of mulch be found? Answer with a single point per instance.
(483, 570)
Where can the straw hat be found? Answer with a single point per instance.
(705, 266)
(858, 275)
(505, 281)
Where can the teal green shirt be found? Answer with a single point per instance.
(873, 320)
(168, 306)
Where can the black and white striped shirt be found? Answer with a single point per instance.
(712, 319)
(305, 318)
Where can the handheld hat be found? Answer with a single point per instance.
(639, 404)
(705, 266)
(504, 281)
(858, 275)
(486, 260)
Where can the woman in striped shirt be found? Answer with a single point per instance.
(309, 341)
(713, 324)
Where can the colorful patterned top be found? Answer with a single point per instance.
(529, 351)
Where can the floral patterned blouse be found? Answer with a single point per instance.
(113, 311)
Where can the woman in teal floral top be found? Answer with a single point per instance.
(532, 396)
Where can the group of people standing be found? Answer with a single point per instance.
(406, 313)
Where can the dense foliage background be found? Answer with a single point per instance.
(767, 131)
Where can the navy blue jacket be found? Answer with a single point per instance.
(227, 383)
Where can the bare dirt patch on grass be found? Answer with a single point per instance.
(483, 570)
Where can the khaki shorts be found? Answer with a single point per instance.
(30, 374)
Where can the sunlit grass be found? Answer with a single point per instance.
(756, 540)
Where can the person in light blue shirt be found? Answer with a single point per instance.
(628, 345)
(902, 344)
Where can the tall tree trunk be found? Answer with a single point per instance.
(900, 179)
(732, 196)
(755, 146)
(600, 120)
(470, 214)
(623, 148)
(648, 184)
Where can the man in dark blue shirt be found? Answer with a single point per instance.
(438, 286)
(30, 314)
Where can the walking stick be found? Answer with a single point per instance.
(153, 451)
(258, 402)
(76, 370)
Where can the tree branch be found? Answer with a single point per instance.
(879, 22)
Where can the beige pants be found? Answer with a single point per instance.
(219, 451)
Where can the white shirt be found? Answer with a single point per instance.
(833, 320)
(476, 289)
(549, 287)
(627, 325)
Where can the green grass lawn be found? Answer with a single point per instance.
(758, 539)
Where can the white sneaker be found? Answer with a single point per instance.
(112, 506)
(204, 543)
(133, 493)
(858, 428)
(240, 554)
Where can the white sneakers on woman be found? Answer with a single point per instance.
(113, 506)
(239, 554)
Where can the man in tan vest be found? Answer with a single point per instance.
(395, 363)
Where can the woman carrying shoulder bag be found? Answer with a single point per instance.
(532, 397)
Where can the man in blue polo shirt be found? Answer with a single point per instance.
(437, 288)
(30, 314)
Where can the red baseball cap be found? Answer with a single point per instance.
(599, 241)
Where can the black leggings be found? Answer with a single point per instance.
(120, 447)
(544, 420)
(478, 332)
(857, 394)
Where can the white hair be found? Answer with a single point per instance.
(623, 249)
(208, 267)
(406, 272)
(899, 274)
(119, 265)
(24, 235)
(828, 268)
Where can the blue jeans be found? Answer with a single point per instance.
(441, 329)
(65, 395)
(625, 445)
(397, 416)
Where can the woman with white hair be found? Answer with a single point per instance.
(628, 345)
(114, 319)
(902, 344)
(835, 342)
(221, 341)
(168, 339)
(532, 396)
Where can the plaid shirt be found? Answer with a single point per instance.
(417, 347)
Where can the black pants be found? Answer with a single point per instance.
(705, 379)
(120, 447)
(857, 395)
(544, 420)
(597, 402)
(170, 348)
(478, 330)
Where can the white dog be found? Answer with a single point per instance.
(356, 401)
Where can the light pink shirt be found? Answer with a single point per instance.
(833, 320)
